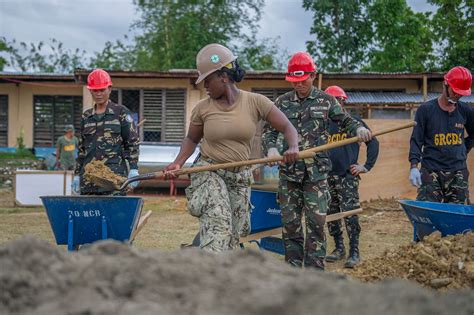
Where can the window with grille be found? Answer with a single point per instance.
(163, 109)
(271, 93)
(51, 115)
(3, 120)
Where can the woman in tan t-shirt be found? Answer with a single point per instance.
(226, 122)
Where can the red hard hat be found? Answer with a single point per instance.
(98, 79)
(336, 91)
(460, 80)
(300, 66)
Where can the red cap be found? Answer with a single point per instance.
(300, 66)
(460, 80)
(336, 91)
(98, 79)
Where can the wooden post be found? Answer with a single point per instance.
(64, 182)
(320, 81)
(425, 88)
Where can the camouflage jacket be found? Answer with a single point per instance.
(311, 118)
(112, 138)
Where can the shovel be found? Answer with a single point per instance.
(309, 153)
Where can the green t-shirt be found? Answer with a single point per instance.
(67, 149)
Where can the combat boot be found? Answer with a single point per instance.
(354, 257)
(339, 252)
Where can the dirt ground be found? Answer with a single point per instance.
(113, 278)
(39, 277)
(171, 225)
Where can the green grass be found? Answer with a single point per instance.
(20, 154)
(17, 210)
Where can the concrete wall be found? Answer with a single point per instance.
(21, 95)
(389, 177)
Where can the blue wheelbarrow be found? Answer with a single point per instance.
(79, 220)
(266, 225)
(427, 217)
(265, 222)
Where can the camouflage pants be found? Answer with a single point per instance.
(441, 186)
(220, 200)
(312, 199)
(344, 192)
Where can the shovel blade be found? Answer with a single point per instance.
(103, 183)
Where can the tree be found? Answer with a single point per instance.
(40, 58)
(172, 32)
(262, 55)
(402, 39)
(342, 31)
(3, 47)
(453, 25)
(115, 56)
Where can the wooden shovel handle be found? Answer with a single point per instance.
(309, 153)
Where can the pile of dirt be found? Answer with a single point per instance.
(376, 205)
(112, 278)
(436, 262)
(98, 169)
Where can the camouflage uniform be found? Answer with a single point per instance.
(111, 137)
(303, 185)
(444, 186)
(220, 199)
(344, 197)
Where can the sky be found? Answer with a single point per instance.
(88, 24)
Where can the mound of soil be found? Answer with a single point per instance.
(436, 262)
(112, 278)
(99, 169)
(376, 205)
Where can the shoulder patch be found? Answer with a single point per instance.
(129, 118)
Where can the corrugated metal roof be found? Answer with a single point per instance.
(383, 73)
(39, 74)
(191, 73)
(394, 98)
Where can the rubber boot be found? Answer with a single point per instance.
(353, 258)
(339, 252)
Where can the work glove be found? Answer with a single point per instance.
(357, 169)
(76, 185)
(273, 152)
(415, 177)
(364, 134)
(133, 173)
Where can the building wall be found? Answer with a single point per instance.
(389, 177)
(21, 96)
(20, 107)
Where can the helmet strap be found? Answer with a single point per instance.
(448, 96)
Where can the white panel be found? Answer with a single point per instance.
(30, 185)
